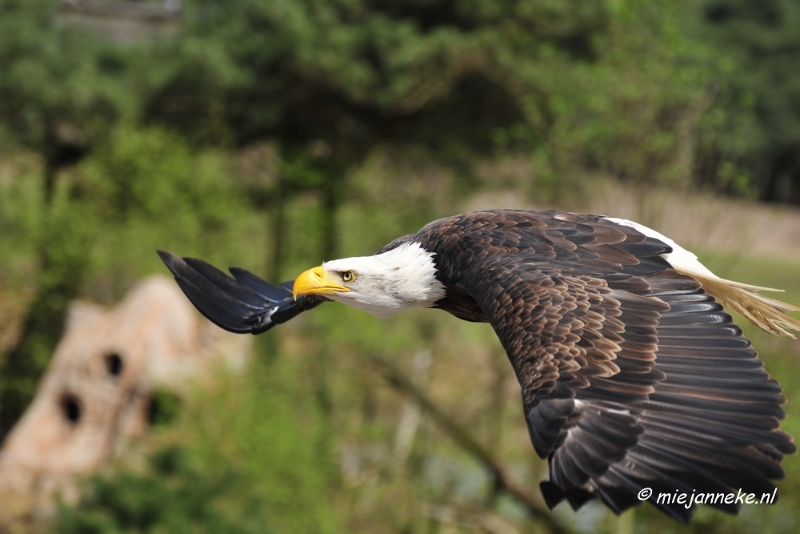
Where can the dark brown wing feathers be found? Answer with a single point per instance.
(631, 375)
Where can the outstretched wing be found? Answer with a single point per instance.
(242, 304)
(632, 376)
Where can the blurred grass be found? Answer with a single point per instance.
(777, 273)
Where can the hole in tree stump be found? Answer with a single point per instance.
(71, 408)
(114, 364)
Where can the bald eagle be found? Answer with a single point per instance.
(632, 375)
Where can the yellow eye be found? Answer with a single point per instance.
(348, 276)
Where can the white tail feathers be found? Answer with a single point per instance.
(768, 314)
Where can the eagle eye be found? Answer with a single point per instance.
(348, 276)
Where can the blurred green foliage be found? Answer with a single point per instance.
(275, 135)
(60, 89)
(145, 189)
(139, 191)
(753, 128)
(171, 496)
(56, 98)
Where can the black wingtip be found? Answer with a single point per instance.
(170, 260)
(244, 304)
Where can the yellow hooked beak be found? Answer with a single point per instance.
(317, 281)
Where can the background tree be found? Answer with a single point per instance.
(751, 137)
(59, 92)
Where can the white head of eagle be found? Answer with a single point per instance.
(400, 279)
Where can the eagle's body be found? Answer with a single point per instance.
(632, 375)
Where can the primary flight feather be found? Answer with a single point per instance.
(632, 375)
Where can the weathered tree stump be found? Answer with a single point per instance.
(97, 391)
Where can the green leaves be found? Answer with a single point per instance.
(753, 45)
(171, 496)
(145, 189)
(53, 78)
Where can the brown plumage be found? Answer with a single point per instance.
(632, 375)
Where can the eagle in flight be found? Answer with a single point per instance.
(632, 374)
